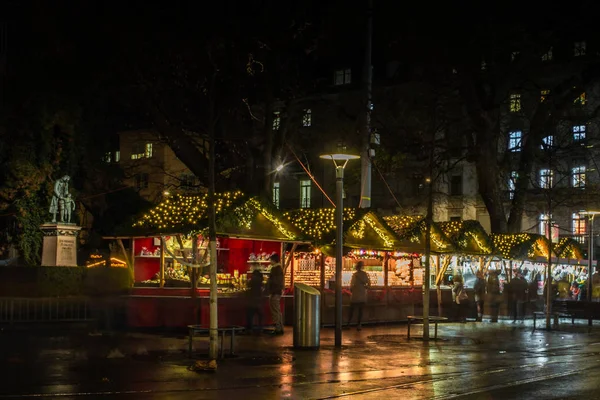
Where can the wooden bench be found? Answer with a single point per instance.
(198, 330)
(419, 320)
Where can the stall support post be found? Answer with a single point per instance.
(213, 347)
(162, 262)
(339, 235)
(385, 275)
(590, 263)
(322, 273)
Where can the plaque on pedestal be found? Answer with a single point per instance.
(60, 245)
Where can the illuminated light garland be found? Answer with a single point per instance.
(317, 223)
(278, 224)
(114, 263)
(507, 243)
(387, 241)
(185, 210)
(568, 248)
(414, 228)
(461, 231)
(358, 229)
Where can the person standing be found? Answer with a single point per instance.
(519, 293)
(461, 298)
(479, 289)
(275, 288)
(255, 292)
(493, 290)
(358, 285)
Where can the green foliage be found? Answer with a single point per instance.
(59, 281)
(30, 214)
(63, 281)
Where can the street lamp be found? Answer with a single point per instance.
(590, 215)
(339, 160)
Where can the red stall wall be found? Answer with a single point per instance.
(240, 250)
(145, 267)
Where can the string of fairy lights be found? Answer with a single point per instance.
(317, 224)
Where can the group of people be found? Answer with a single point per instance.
(519, 292)
(274, 288)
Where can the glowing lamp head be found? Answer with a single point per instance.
(279, 168)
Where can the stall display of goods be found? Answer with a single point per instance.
(418, 276)
(375, 277)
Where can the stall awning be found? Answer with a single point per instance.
(521, 246)
(362, 228)
(237, 216)
(468, 237)
(411, 231)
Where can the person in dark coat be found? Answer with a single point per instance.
(519, 294)
(255, 292)
(479, 289)
(275, 286)
(460, 297)
(359, 285)
(493, 290)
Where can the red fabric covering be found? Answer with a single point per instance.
(240, 250)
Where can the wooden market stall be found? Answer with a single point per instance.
(367, 238)
(169, 257)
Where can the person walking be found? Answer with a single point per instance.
(255, 292)
(358, 285)
(275, 288)
(479, 288)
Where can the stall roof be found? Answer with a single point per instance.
(362, 228)
(411, 231)
(237, 216)
(568, 248)
(521, 246)
(468, 237)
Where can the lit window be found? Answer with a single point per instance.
(580, 100)
(342, 77)
(548, 55)
(117, 155)
(545, 225)
(141, 150)
(578, 133)
(276, 120)
(276, 194)
(512, 184)
(107, 157)
(544, 95)
(307, 117)
(547, 142)
(305, 186)
(141, 181)
(579, 225)
(546, 178)
(579, 48)
(515, 102)
(514, 141)
(578, 176)
(148, 152)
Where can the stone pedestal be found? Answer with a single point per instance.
(60, 245)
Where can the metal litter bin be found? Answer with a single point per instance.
(307, 316)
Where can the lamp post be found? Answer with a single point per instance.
(340, 161)
(590, 215)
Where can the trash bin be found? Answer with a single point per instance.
(307, 316)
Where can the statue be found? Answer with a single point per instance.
(62, 201)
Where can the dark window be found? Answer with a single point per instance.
(455, 218)
(456, 185)
(141, 181)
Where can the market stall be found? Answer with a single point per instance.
(170, 262)
(366, 238)
(406, 264)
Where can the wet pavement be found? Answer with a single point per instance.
(468, 361)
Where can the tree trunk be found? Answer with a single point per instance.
(489, 188)
(268, 150)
